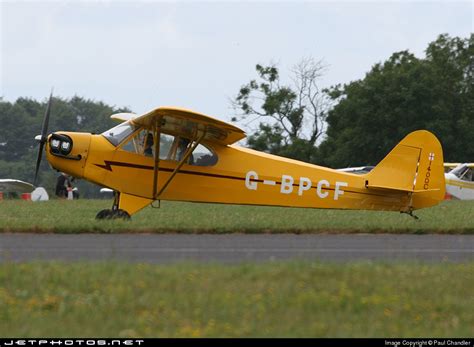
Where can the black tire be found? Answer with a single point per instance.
(113, 214)
(122, 214)
(104, 214)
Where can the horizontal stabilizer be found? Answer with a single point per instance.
(401, 189)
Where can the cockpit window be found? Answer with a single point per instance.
(117, 134)
(459, 171)
(143, 143)
(171, 148)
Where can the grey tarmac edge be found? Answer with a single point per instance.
(235, 248)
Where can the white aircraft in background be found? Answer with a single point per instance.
(15, 186)
(460, 181)
(359, 170)
(8, 185)
(107, 192)
(449, 166)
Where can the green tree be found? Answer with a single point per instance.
(401, 95)
(291, 117)
(21, 122)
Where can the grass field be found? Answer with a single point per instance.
(296, 299)
(274, 299)
(79, 216)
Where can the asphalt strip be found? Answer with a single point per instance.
(235, 248)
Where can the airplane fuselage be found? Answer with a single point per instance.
(459, 189)
(240, 176)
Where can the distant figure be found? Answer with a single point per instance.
(75, 192)
(148, 151)
(64, 186)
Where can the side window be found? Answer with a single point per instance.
(203, 156)
(166, 142)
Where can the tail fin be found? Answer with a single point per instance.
(415, 166)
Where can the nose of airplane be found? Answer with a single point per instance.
(67, 152)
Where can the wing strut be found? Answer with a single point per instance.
(180, 164)
(156, 136)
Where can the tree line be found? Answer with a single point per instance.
(352, 124)
(358, 123)
(22, 120)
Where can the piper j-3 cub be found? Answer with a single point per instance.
(196, 159)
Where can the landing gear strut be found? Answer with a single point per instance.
(410, 213)
(115, 212)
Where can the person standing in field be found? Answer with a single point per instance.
(63, 186)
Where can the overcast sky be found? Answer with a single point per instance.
(198, 54)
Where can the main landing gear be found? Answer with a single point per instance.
(115, 212)
(410, 213)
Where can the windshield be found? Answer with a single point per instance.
(119, 133)
(460, 171)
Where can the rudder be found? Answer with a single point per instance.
(415, 166)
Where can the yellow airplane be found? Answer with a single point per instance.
(196, 159)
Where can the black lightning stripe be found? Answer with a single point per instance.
(108, 166)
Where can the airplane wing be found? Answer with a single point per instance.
(451, 165)
(186, 123)
(123, 117)
(9, 185)
(459, 167)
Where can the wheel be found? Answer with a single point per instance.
(113, 214)
(104, 214)
(120, 214)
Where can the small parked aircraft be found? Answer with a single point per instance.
(460, 182)
(8, 185)
(196, 159)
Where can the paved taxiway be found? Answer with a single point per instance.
(231, 248)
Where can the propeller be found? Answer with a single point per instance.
(43, 137)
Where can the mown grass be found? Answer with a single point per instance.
(79, 216)
(292, 299)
